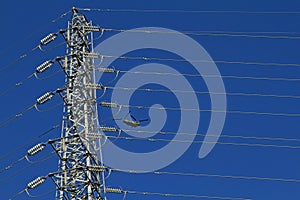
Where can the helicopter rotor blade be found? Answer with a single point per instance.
(127, 114)
(133, 117)
(143, 120)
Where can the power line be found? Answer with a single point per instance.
(211, 135)
(209, 175)
(54, 47)
(198, 142)
(200, 92)
(43, 99)
(16, 195)
(26, 167)
(285, 33)
(200, 61)
(189, 11)
(18, 115)
(51, 75)
(181, 195)
(204, 34)
(32, 33)
(10, 89)
(61, 16)
(42, 195)
(26, 54)
(10, 166)
(51, 108)
(21, 170)
(210, 76)
(215, 111)
(31, 141)
(5, 67)
(18, 84)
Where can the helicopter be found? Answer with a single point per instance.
(133, 123)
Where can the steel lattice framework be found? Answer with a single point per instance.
(81, 173)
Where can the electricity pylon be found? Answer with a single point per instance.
(81, 172)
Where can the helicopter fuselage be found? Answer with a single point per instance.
(131, 123)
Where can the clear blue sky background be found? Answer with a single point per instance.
(24, 23)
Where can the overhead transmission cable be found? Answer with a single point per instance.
(199, 142)
(43, 99)
(29, 187)
(11, 165)
(31, 141)
(255, 178)
(40, 27)
(16, 195)
(200, 61)
(46, 40)
(285, 33)
(216, 111)
(31, 152)
(5, 67)
(42, 195)
(204, 34)
(40, 69)
(18, 115)
(46, 66)
(211, 135)
(147, 193)
(16, 85)
(62, 16)
(200, 92)
(52, 155)
(41, 180)
(209, 76)
(188, 11)
(112, 129)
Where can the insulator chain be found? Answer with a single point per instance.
(36, 182)
(106, 70)
(94, 135)
(90, 55)
(36, 149)
(94, 86)
(113, 190)
(44, 66)
(91, 28)
(97, 168)
(109, 104)
(108, 129)
(46, 97)
(49, 38)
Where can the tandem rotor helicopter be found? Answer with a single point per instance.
(133, 123)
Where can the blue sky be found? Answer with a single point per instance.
(24, 23)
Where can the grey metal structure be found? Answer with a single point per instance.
(81, 173)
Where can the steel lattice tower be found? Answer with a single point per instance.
(80, 174)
